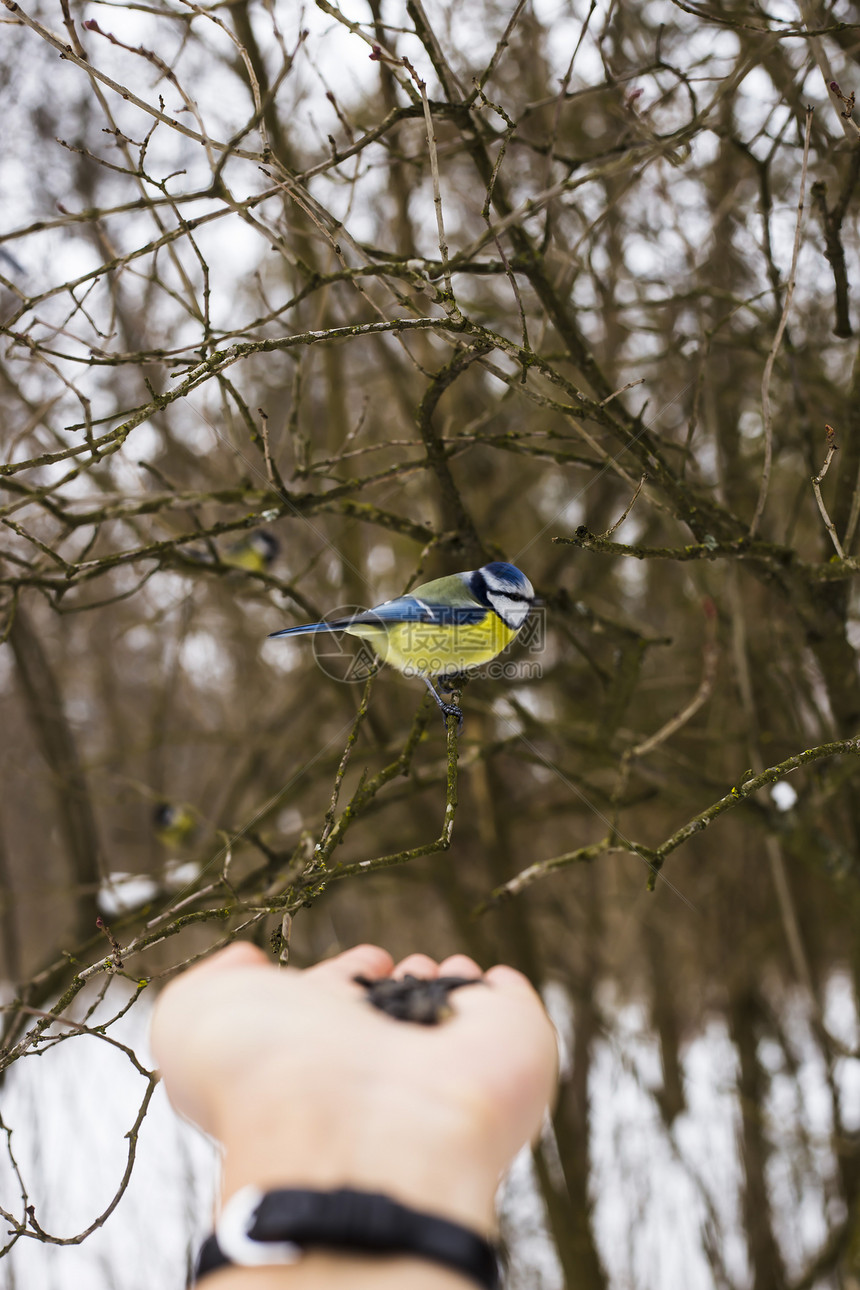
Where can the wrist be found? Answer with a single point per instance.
(427, 1157)
(320, 1270)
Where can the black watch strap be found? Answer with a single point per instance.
(359, 1221)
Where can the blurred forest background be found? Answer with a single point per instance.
(404, 286)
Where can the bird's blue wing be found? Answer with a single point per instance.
(414, 609)
(405, 609)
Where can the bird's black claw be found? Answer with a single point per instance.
(451, 710)
(447, 709)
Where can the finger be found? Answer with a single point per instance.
(516, 995)
(239, 954)
(459, 965)
(362, 960)
(511, 981)
(417, 965)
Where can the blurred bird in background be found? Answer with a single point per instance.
(175, 824)
(255, 552)
(442, 628)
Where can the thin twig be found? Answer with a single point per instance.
(116, 949)
(286, 932)
(450, 305)
(710, 656)
(623, 516)
(631, 385)
(767, 416)
(832, 447)
(502, 45)
(542, 869)
(328, 822)
(272, 472)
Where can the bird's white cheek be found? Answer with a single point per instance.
(512, 612)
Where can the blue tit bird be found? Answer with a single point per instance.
(175, 825)
(254, 552)
(444, 627)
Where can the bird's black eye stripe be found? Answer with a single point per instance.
(509, 595)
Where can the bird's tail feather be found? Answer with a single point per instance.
(305, 629)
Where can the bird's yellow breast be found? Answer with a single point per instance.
(428, 649)
(245, 557)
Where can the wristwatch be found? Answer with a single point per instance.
(256, 1228)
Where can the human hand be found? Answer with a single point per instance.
(306, 1084)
